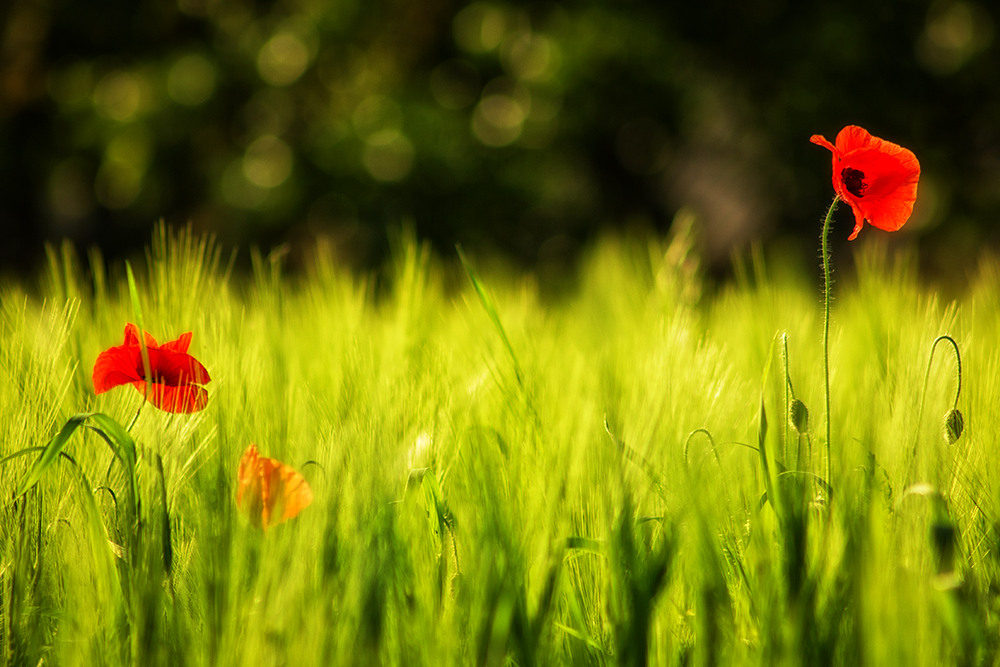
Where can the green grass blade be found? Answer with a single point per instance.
(111, 431)
(101, 546)
(123, 446)
(51, 452)
(769, 471)
(168, 550)
(133, 292)
(491, 311)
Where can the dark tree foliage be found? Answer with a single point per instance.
(522, 127)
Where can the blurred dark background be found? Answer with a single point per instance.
(524, 128)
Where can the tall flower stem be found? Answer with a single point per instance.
(827, 280)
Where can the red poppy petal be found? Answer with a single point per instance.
(876, 177)
(890, 213)
(859, 218)
(132, 337)
(176, 368)
(890, 184)
(179, 345)
(174, 373)
(820, 140)
(853, 138)
(114, 367)
(891, 155)
(885, 172)
(183, 399)
(131, 334)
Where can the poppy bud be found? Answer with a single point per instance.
(954, 424)
(800, 415)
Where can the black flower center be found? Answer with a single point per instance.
(854, 181)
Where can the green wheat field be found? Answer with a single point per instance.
(629, 469)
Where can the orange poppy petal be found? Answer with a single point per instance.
(246, 475)
(270, 491)
(296, 494)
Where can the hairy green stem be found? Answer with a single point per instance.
(826, 328)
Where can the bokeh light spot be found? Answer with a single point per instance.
(126, 157)
(389, 157)
(498, 119)
(479, 27)
(502, 111)
(191, 80)
(283, 59)
(133, 147)
(953, 34)
(530, 57)
(120, 95)
(375, 114)
(267, 162)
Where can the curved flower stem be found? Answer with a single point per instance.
(923, 391)
(958, 364)
(711, 441)
(826, 328)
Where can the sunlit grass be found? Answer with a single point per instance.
(511, 476)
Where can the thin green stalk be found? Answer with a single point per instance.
(135, 417)
(788, 381)
(826, 328)
(923, 391)
(146, 367)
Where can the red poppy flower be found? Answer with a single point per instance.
(175, 374)
(269, 491)
(876, 177)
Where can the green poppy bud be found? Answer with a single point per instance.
(954, 424)
(800, 415)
